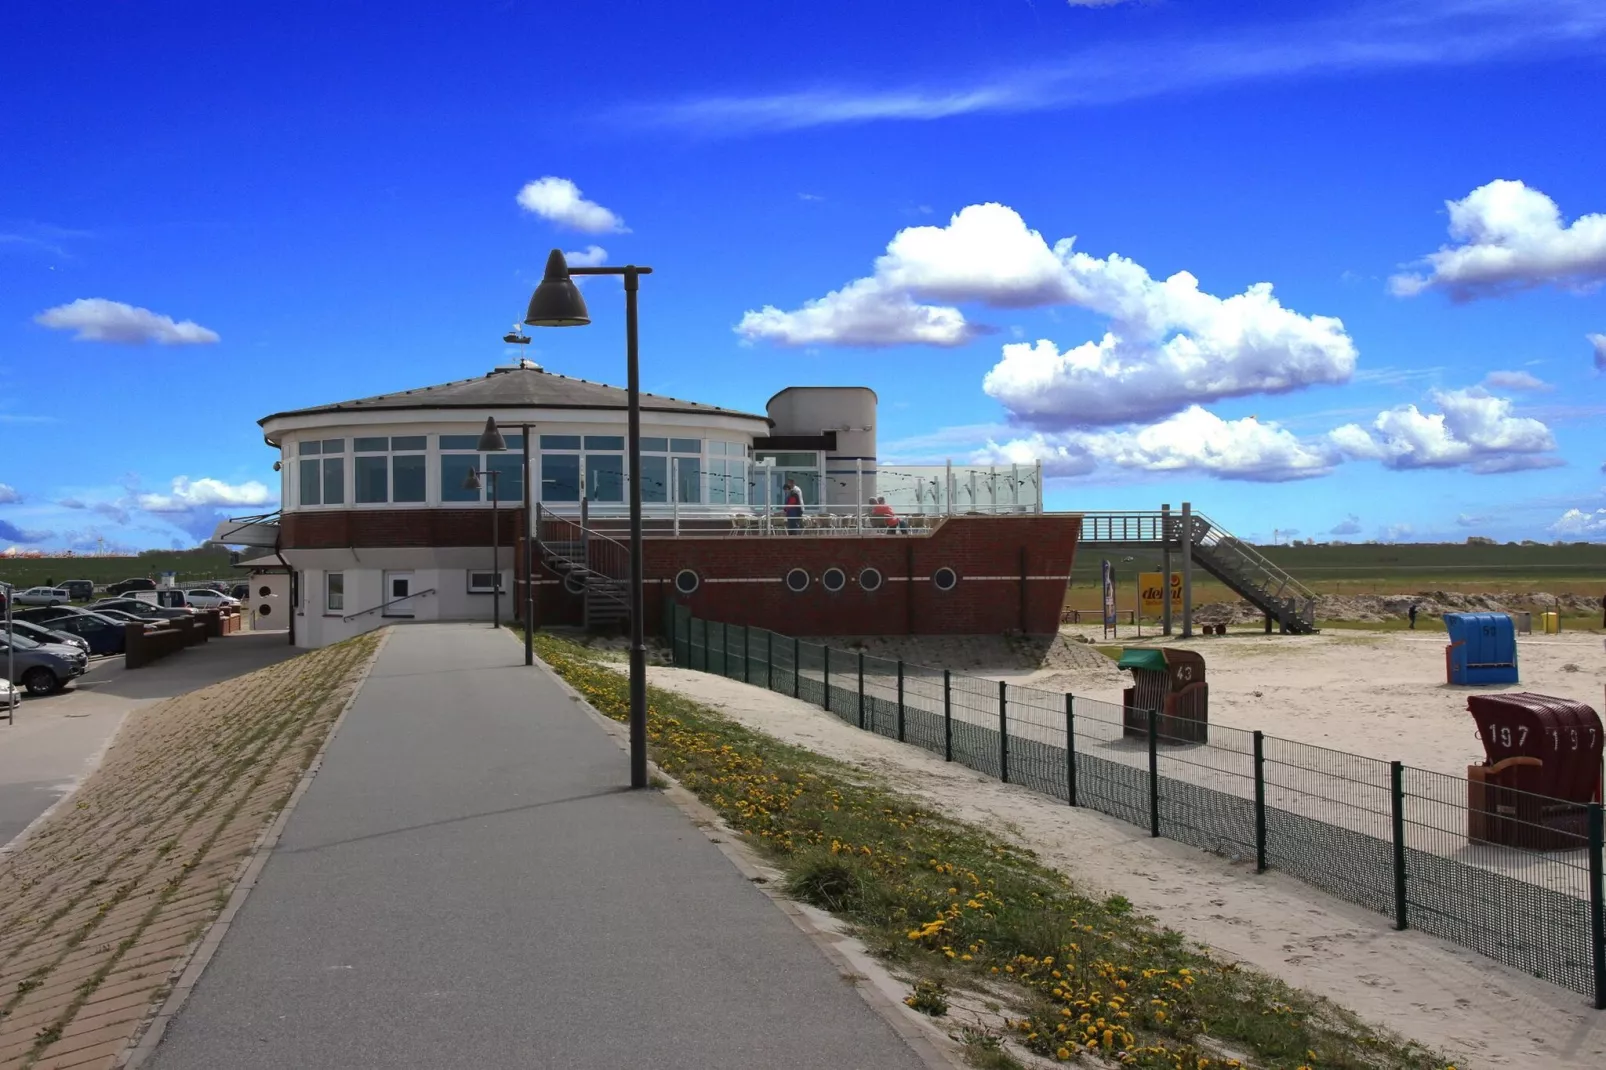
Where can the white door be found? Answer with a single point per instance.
(398, 585)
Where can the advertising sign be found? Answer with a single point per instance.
(1149, 586)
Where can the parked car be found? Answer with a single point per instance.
(99, 634)
(39, 667)
(206, 598)
(43, 596)
(45, 614)
(81, 590)
(148, 610)
(240, 591)
(165, 597)
(121, 617)
(41, 634)
(137, 583)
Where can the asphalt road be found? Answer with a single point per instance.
(466, 883)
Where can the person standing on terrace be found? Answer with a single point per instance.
(792, 506)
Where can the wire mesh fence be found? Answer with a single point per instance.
(1513, 876)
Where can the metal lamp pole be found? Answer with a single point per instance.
(11, 659)
(472, 482)
(515, 337)
(557, 303)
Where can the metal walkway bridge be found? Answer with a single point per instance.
(1199, 540)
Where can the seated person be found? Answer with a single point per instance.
(882, 516)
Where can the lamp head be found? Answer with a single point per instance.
(472, 480)
(557, 301)
(491, 440)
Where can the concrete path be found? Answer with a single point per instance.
(467, 883)
(58, 739)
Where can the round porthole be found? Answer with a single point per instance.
(870, 579)
(945, 578)
(265, 591)
(687, 581)
(574, 584)
(833, 579)
(797, 580)
(264, 610)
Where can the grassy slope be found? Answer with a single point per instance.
(189, 564)
(962, 911)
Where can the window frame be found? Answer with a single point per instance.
(331, 580)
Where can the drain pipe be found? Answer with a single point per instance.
(294, 601)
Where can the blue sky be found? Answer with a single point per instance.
(306, 203)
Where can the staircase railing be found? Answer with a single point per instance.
(1252, 568)
(385, 605)
(590, 562)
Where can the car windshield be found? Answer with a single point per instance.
(22, 642)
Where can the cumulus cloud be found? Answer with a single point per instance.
(1475, 430)
(1350, 525)
(1510, 237)
(1192, 441)
(1515, 381)
(187, 494)
(8, 494)
(1168, 345)
(590, 256)
(1597, 342)
(1467, 520)
(559, 201)
(1577, 524)
(9, 532)
(96, 319)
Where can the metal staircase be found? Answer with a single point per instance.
(592, 565)
(1220, 553)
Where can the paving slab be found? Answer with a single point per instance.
(469, 882)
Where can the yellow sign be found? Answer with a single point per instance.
(1149, 588)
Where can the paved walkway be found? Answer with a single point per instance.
(58, 739)
(467, 883)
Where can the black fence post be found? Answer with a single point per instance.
(827, 676)
(1597, 898)
(769, 660)
(1003, 732)
(900, 702)
(1397, 790)
(1260, 802)
(747, 653)
(861, 690)
(797, 667)
(724, 649)
(947, 717)
(1070, 748)
(1154, 774)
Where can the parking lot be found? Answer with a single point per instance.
(58, 739)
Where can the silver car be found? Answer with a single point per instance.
(44, 596)
(40, 667)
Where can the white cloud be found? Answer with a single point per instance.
(1475, 430)
(559, 200)
(590, 256)
(1467, 520)
(1577, 524)
(8, 494)
(1511, 237)
(9, 532)
(1597, 342)
(1192, 441)
(1350, 525)
(99, 320)
(1515, 381)
(1168, 345)
(205, 493)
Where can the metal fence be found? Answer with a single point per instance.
(1402, 841)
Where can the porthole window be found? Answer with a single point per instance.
(945, 578)
(574, 584)
(687, 581)
(264, 610)
(870, 579)
(265, 591)
(833, 579)
(797, 580)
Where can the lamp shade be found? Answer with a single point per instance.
(491, 440)
(557, 301)
(472, 480)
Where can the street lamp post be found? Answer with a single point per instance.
(11, 659)
(516, 337)
(557, 303)
(491, 441)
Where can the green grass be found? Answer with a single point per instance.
(960, 911)
(188, 564)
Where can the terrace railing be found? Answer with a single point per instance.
(1408, 843)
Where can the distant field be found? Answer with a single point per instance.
(1393, 569)
(188, 564)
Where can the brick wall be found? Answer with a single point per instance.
(379, 528)
(742, 580)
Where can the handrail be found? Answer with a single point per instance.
(383, 605)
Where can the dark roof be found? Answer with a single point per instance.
(526, 386)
